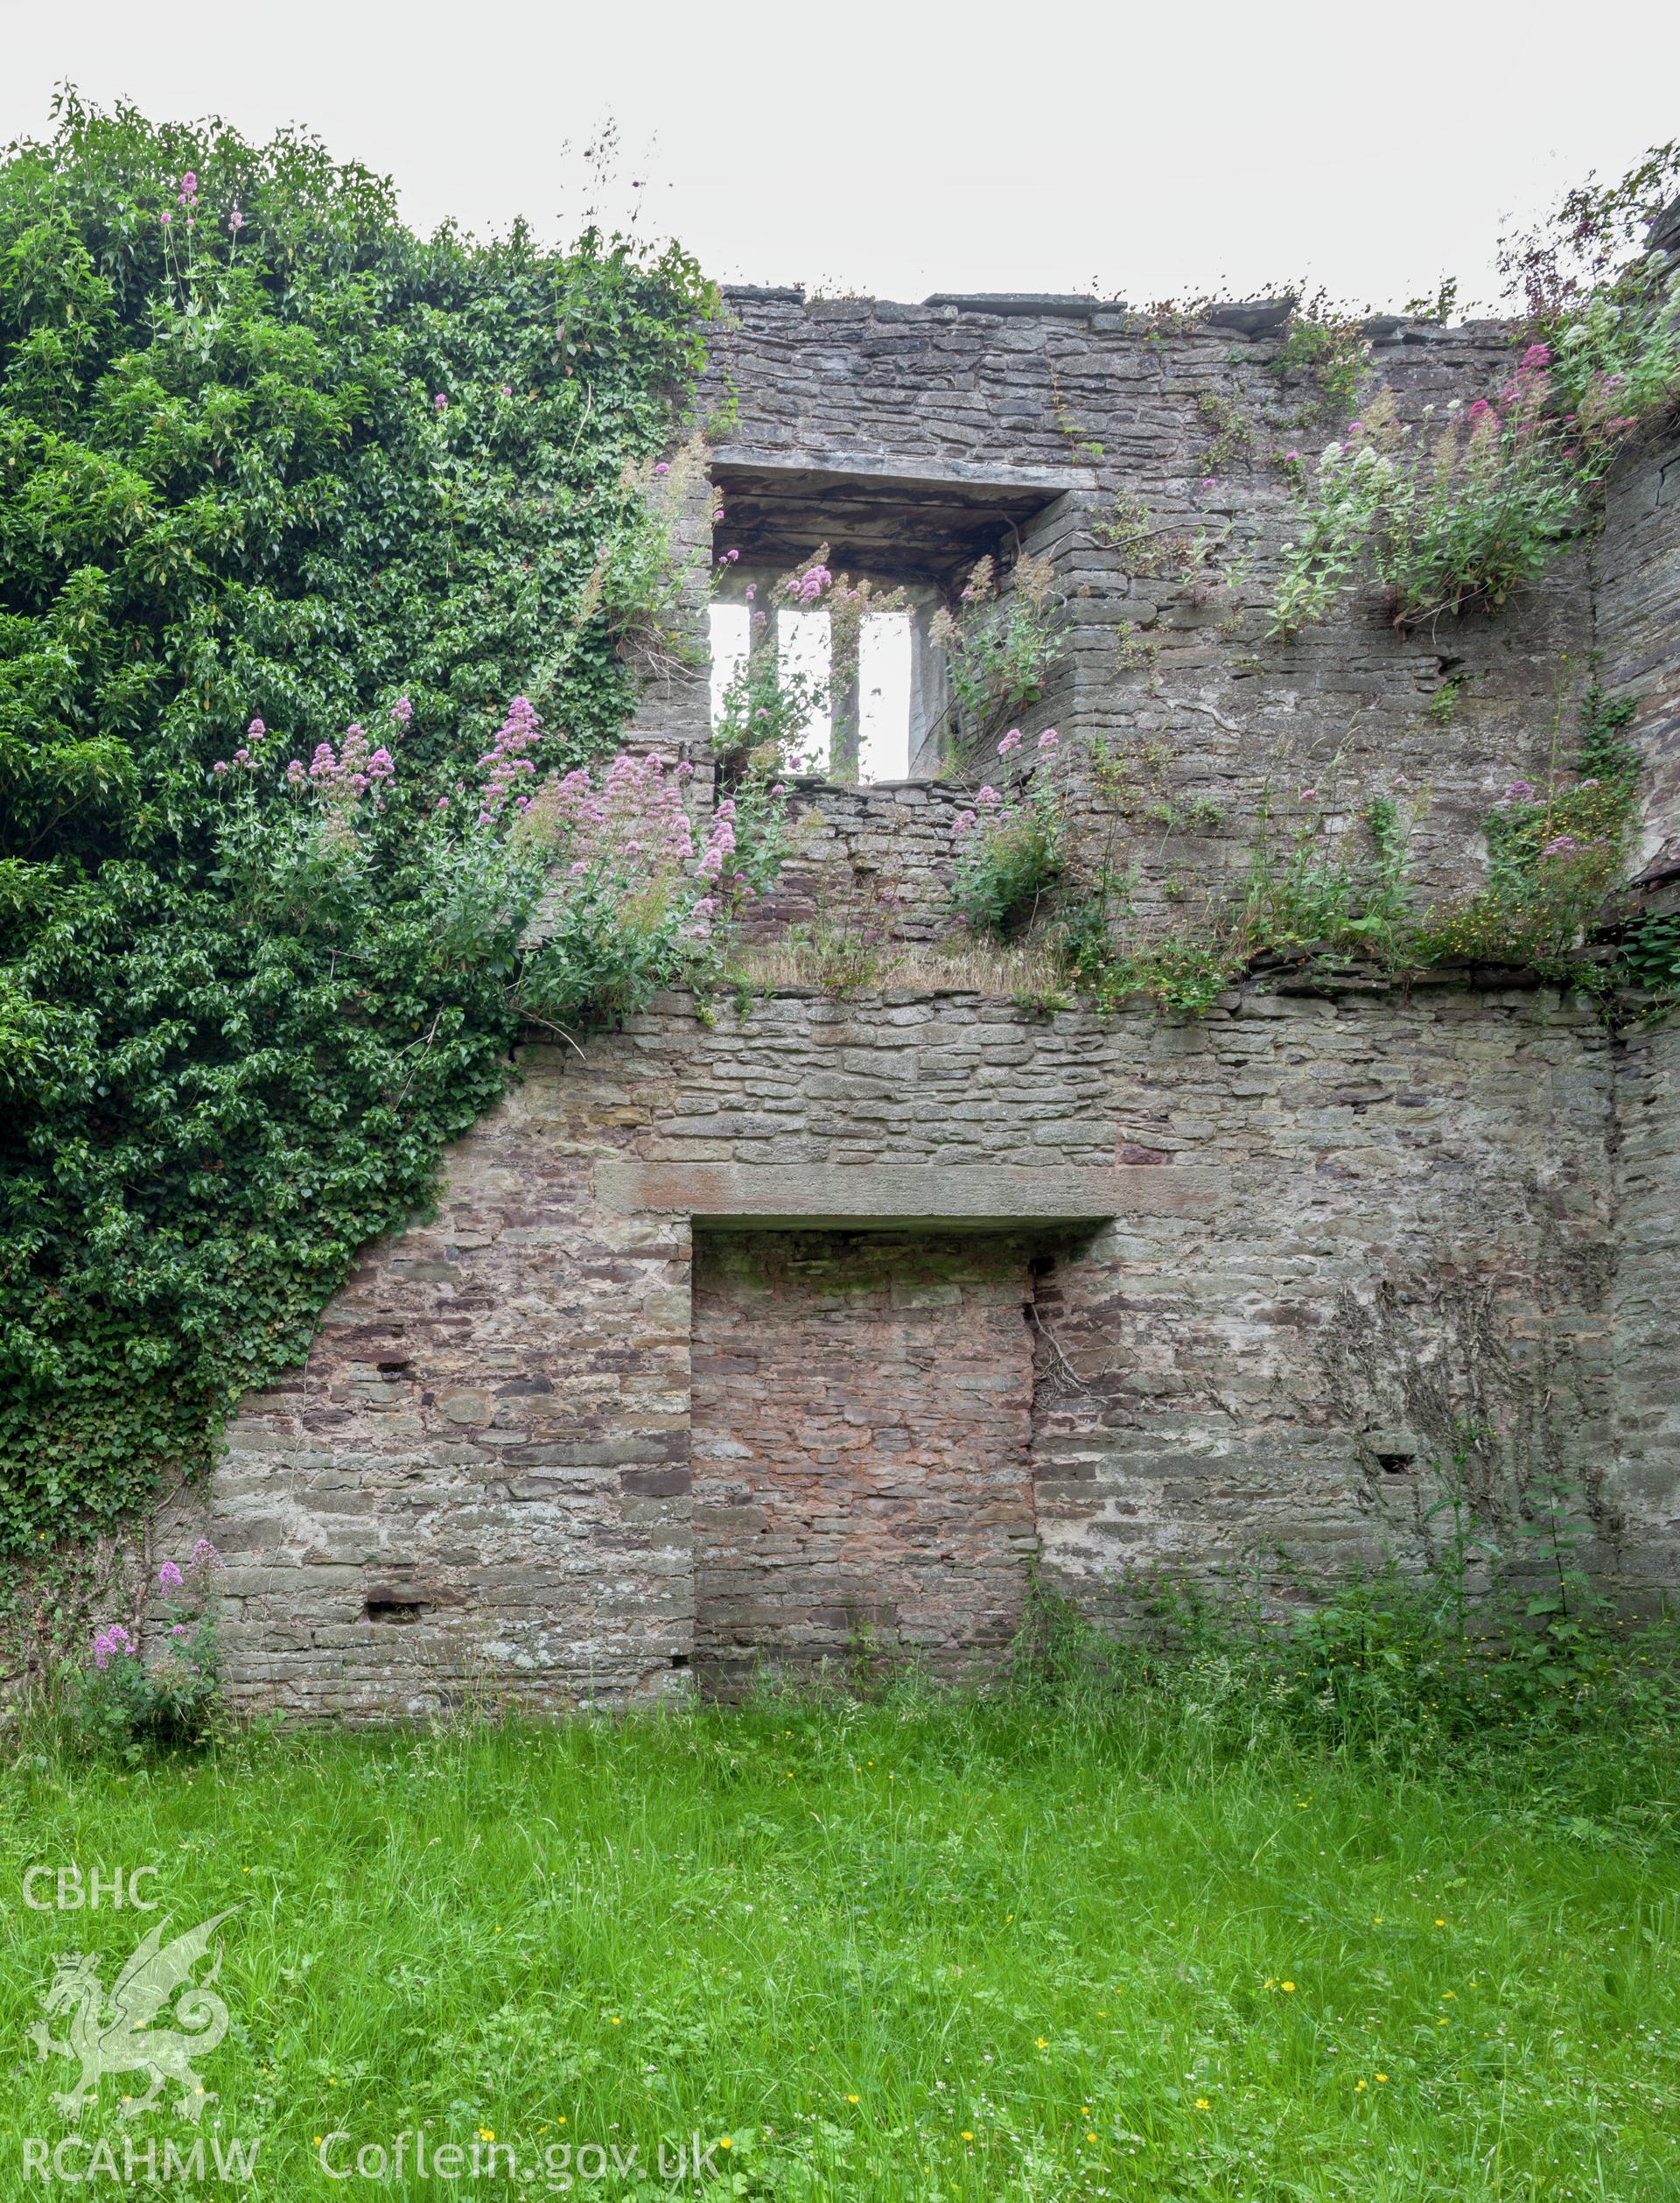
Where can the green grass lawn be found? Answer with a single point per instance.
(919, 1949)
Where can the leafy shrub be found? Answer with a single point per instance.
(632, 904)
(1553, 857)
(1328, 349)
(1009, 851)
(138, 1706)
(764, 714)
(1000, 650)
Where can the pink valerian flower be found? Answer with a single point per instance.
(1309, 795)
(1561, 845)
(663, 468)
(505, 763)
(235, 222)
(1049, 738)
(1012, 741)
(255, 731)
(295, 776)
(204, 1555)
(1587, 783)
(166, 217)
(440, 402)
(507, 390)
(962, 824)
(220, 767)
(188, 194)
(111, 1643)
(752, 591)
(403, 711)
(170, 1577)
(1537, 356)
(806, 587)
(342, 778)
(1520, 791)
(988, 796)
(730, 557)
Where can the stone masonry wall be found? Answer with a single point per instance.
(481, 1481)
(1200, 715)
(862, 1425)
(540, 1453)
(1638, 565)
(1647, 1289)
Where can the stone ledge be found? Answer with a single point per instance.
(888, 1196)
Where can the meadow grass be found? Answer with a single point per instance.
(933, 1946)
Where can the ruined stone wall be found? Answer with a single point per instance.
(1340, 1225)
(1216, 1296)
(1646, 1310)
(1638, 598)
(1198, 715)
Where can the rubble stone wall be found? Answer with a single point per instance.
(525, 1453)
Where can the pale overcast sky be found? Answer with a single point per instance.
(1147, 150)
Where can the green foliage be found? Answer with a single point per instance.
(1001, 650)
(1499, 1632)
(1650, 955)
(1230, 430)
(1451, 522)
(136, 1705)
(1553, 857)
(1329, 350)
(264, 453)
(1325, 905)
(764, 712)
(1009, 854)
(1456, 515)
(1004, 1921)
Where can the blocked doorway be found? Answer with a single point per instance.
(862, 1417)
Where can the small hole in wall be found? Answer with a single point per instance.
(392, 1611)
(1394, 1464)
(680, 1659)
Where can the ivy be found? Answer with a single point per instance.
(266, 454)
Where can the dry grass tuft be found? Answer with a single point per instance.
(847, 965)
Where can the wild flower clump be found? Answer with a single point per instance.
(137, 1705)
(1000, 649)
(1454, 515)
(634, 902)
(305, 866)
(1554, 854)
(1009, 849)
(1449, 518)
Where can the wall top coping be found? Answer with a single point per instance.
(890, 1196)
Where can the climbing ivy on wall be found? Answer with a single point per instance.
(266, 456)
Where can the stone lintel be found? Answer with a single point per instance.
(984, 480)
(892, 1196)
